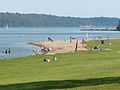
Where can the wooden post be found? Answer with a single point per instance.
(76, 45)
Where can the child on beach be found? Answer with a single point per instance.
(37, 52)
(42, 48)
(34, 52)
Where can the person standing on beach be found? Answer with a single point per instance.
(102, 41)
(5, 51)
(9, 50)
(83, 41)
(70, 39)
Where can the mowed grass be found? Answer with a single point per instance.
(84, 70)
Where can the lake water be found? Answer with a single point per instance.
(16, 38)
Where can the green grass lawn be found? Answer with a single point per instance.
(84, 70)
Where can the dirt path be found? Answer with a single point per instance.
(64, 46)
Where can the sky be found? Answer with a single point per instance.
(72, 8)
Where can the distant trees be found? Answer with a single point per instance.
(42, 20)
(118, 27)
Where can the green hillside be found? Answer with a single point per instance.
(42, 20)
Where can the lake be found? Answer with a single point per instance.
(16, 38)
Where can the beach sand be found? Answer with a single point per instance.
(64, 46)
(60, 46)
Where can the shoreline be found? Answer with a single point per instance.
(60, 46)
(64, 46)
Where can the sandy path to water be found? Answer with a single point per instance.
(64, 46)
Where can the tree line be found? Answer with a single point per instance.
(118, 27)
(43, 20)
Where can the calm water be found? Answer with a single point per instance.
(16, 38)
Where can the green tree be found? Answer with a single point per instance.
(42, 20)
(118, 27)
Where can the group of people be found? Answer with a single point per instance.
(50, 60)
(35, 51)
(7, 51)
(98, 47)
(43, 50)
(102, 42)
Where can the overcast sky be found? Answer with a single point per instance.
(74, 8)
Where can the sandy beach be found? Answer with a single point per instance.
(64, 46)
